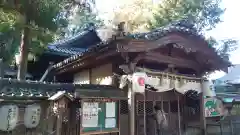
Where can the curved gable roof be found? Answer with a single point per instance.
(162, 36)
(75, 44)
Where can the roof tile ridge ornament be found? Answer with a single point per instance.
(121, 31)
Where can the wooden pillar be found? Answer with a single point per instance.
(44, 115)
(90, 76)
(132, 110)
(179, 116)
(202, 111)
(1, 69)
(54, 79)
(144, 108)
(60, 117)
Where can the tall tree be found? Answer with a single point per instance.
(135, 14)
(204, 14)
(145, 15)
(35, 19)
(80, 20)
(9, 43)
(9, 36)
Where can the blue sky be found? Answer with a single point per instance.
(229, 28)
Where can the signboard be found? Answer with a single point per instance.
(90, 114)
(213, 107)
(99, 115)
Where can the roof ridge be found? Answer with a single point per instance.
(79, 34)
(65, 40)
(74, 57)
(183, 27)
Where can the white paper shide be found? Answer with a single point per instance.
(9, 117)
(32, 116)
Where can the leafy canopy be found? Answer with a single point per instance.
(204, 14)
(80, 21)
(45, 20)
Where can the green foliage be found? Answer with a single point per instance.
(9, 43)
(223, 47)
(81, 20)
(9, 36)
(205, 14)
(45, 20)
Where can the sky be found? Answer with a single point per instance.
(229, 28)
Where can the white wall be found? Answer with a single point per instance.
(82, 77)
(100, 75)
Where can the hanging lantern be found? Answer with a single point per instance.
(9, 117)
(32, 116)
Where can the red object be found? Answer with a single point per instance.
(141, 81)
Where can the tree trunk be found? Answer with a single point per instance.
(24, 47)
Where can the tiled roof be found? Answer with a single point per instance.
(69, 40)
(77, 56)
(29, 89)
(181, 26)
(62, 46)
(65, 50)
(12, 88)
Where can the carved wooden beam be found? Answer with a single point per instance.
(86, 61)
(186, 42)
(171, 60)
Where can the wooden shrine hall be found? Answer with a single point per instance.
(168, 60)
(176, 56)
(176, 47)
